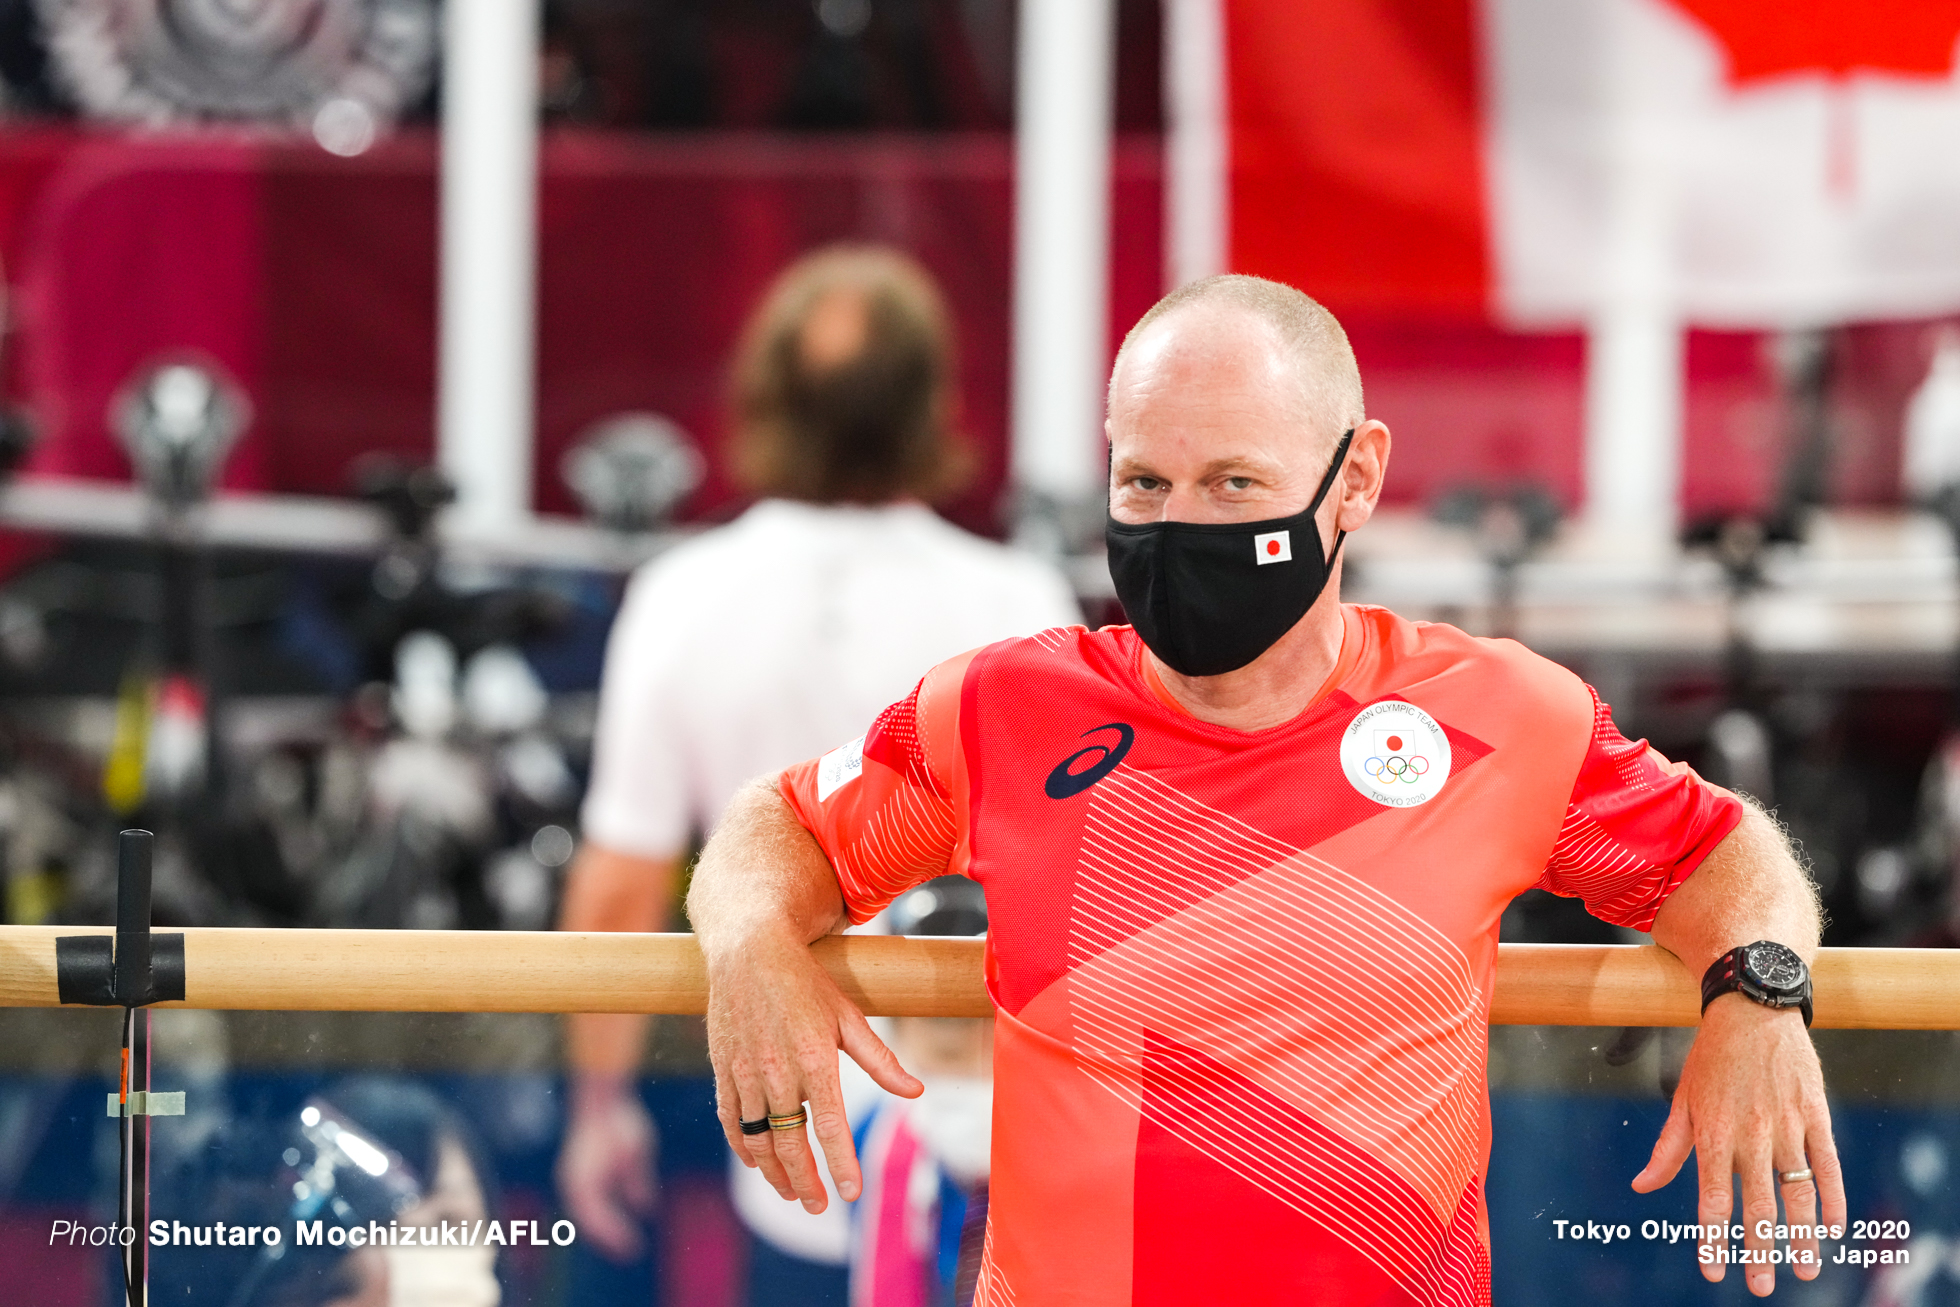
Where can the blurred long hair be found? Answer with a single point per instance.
(870, 427)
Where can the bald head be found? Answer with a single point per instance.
(1304, 347)
(1225, 405)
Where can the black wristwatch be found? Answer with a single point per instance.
(1764, 971)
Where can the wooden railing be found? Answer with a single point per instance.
(516, 971)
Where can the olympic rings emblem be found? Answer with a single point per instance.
(1395, 754)
(1407, 770)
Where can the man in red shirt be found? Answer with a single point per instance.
(1244, 864)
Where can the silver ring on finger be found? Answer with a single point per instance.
(1794, 1177)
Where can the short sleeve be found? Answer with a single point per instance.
(1636, 826)
(882, 806)
(637, 802)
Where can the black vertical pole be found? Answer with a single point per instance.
(139, 1163)
(125, 1173)
(133, 918)
(190, 646)
(132, 978)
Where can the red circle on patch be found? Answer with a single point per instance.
(1272, 546)
(1395, 744)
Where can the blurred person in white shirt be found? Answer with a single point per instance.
(764, 642)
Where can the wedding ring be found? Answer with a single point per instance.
(793, 1121)
(1792, 1177)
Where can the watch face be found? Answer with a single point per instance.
(1773, 966)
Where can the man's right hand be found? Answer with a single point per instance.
(775, 1022)
(605, 1169)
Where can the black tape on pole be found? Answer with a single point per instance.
(166, 968)
(135, 967)
(85, 972)
(84, 969)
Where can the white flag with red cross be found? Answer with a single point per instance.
(1768, 163)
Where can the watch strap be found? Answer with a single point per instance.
(1724, 976)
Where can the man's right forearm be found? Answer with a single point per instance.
(762, 875)
(763, 891)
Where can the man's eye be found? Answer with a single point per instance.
(1148, 483)
(1239, 483)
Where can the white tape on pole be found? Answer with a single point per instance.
(143, 1102)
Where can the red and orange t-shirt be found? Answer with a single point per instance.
(1243, 978)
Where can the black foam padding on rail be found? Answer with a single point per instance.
(85, 971)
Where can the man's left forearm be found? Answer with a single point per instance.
(1751, 887)
(1750, 1106)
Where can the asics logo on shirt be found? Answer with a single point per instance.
(1069, 780)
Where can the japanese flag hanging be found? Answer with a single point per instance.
(1753, 163)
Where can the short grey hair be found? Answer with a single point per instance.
(1322, 359)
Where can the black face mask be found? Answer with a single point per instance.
(1211, 597)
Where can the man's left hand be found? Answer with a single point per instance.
(1750, 1104)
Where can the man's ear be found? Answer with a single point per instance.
(1364, 474)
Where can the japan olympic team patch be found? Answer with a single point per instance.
(1395, 753)
(839, 768)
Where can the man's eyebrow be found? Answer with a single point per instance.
(1130, 465)
(1231, 466)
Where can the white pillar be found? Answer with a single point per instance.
(1061, 245)
(1635, 350)
(1634, 401)
(1197, 205)
(488, 358)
